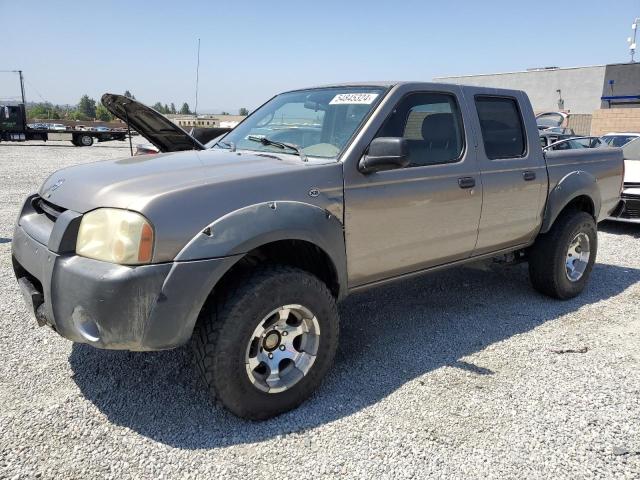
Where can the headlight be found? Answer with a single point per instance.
(116, 236)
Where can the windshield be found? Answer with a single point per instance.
(319, 122)
(618, 140)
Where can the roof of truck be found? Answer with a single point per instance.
(394, 83)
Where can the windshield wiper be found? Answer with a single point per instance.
(283, 145)
(230, 145)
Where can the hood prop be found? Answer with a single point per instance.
(126, 114)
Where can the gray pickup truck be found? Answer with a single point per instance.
(245, 247)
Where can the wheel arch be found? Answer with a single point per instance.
(578, 190)
(293, 233)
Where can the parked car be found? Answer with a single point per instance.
(146, 149)
(58, 126)
(629, 208)
(81, 128)
(245, 248)
(576, 143)
(548, 120)
(547, 139)
(615, 139)
(102, 129)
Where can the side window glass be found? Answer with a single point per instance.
(432, 125)
(501, 126)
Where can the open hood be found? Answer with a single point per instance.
(153, 126)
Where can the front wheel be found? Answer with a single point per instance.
(263, 347)
(561, 260)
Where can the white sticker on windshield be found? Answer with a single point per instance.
(353, 99)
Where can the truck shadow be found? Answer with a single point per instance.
(389, 336)
(619, 228)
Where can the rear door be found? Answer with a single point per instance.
(513, 170)
(405, 220)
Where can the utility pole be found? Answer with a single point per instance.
(22, 88)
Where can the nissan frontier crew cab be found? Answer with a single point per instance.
(244, 247)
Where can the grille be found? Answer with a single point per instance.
(43, 207)
(631, 209)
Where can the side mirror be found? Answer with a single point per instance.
(385, 153)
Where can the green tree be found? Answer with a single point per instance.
(225, 113)
(102, 113)
(244, 112)
(128, 94)
(173, 108)
(158, 107)
(87, 106)
(185, 109)
(166, 109)
(78, 115)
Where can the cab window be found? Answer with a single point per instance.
(432, 125)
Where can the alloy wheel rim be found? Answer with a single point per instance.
(282, 348)
(577, 257)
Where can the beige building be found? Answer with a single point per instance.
(206, 121)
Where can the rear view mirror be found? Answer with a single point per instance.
(385, 153)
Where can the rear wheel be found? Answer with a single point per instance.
(85, 140)
(264, 346)
(561, 260)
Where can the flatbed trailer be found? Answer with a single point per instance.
(13, 128)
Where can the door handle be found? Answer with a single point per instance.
(528, 175)
(466, 182)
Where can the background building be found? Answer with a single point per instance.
(599, 97)
(204, 121)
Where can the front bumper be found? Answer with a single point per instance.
(628, 210)
(149, 307)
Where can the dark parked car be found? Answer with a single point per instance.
(576, 143)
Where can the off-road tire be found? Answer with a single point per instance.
(547, 257)
(225, 326)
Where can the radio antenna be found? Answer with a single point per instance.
(195, 110)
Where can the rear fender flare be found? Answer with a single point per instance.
(571, 186)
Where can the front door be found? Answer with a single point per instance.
(404, 220)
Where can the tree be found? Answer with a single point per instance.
(158, 107)
(244, 112)
(185, 109)
(173, 108)
(225, 113)
(102, 113)
(128, 94)
(166, 109)
(78, 115)
(87, 106)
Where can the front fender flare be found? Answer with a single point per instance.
(243, 230)
(571, 186)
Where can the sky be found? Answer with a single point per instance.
(251, 50)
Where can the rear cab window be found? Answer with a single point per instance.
(501, 126)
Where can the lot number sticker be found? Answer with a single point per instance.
(353, 99)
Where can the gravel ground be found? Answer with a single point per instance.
(450, 376)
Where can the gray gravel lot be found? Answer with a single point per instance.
(449, 376)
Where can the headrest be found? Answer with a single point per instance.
(438, 127)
